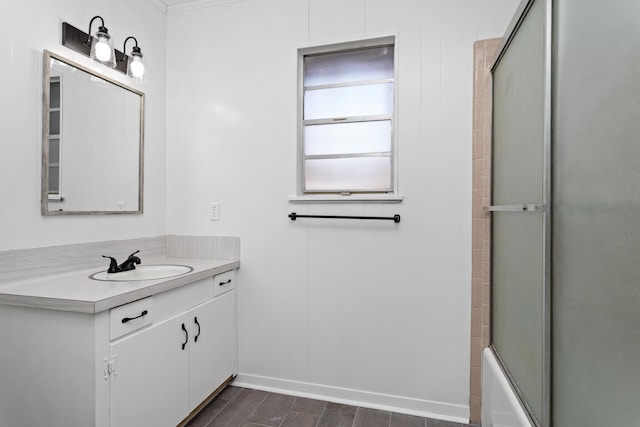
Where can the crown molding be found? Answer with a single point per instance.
(197, 4)
(161, 6)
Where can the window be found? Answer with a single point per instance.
(55, 125)
(346, 118)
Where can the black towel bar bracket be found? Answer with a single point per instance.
(396, 218)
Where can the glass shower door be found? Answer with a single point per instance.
(520, 191)
(596, 222)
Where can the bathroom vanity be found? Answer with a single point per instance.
(81, 352)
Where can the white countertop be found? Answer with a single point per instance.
(77, 292)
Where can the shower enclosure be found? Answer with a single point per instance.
(565, 288)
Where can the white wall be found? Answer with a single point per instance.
(26, 28)
(382, 309)
(351, 309)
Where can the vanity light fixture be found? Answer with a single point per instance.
(135, 64)
(100, 48)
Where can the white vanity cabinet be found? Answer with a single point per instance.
(162, 372)
(151, 362)
(150, 377)
(212, 357)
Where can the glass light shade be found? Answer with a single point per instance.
(135, 66)
(102, 49)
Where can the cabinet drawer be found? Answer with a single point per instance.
(130, 317)
(224, 282)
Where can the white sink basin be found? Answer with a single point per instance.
(143, 272)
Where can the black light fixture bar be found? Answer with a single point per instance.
(79, 41)
(395, 218)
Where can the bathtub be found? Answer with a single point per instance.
(500, 406)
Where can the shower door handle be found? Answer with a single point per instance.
(515, 208)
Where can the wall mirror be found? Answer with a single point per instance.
(92, 142)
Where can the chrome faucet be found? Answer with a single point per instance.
(129, 264)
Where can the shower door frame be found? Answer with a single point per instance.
(519, 17)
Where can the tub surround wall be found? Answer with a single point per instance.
(483, 55)
(378, 314)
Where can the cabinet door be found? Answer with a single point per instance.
(213, 355)
(150, 386)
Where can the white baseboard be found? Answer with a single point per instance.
(367, 399)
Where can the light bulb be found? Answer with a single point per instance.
(137, 67)
(103, 51)
(102, 48)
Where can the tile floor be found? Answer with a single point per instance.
(243, 407)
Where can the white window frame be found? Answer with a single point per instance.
(56, 196)
(346, 196)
